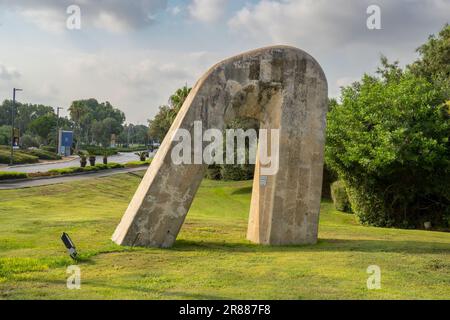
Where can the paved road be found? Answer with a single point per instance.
(122, 157)
(62, 179)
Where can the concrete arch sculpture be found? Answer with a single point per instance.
(284, 88)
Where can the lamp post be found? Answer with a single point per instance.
(11, 160)
(57, 129)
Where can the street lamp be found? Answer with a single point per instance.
(11, 160)
(69, 245)
(57, 129)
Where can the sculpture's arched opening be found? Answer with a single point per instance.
(284, 88)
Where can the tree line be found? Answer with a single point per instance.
(93, 123)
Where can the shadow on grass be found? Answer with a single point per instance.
(323, 245)
(244, 190)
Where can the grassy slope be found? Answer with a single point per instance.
(211, 258)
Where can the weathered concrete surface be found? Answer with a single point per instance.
(284, 88)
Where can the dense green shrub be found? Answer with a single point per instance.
(389, 142)
(213, 172)
(19, 157)
(12, 175)
(340, 197)
(43, 154)
(237, 172)
(28, 141)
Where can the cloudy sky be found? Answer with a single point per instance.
(135, 53)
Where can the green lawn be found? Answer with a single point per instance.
(211, 258)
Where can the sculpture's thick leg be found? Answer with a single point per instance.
(285, 89)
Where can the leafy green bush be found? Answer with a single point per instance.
(340, 197)
(213, 172)
(237, 172)
(19, 157)
(12, 175)
(43, 154)
(389, 142)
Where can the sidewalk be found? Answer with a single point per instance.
(61, 179)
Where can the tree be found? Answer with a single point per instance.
(89, 115)
(24, 114)
(160, 125)
(43, 126)
(103, 130)
(5, 135)
(434, 61)
(77, 110)
(177, 99)
(389, 142)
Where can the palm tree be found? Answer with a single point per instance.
(77, 111)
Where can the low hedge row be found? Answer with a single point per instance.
(72, 170)
(12, 175)
(97, 167)
(133, 164)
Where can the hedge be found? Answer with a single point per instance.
(133, 164)
(12, 175)
(97, 167)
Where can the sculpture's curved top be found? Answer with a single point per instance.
(285, 89)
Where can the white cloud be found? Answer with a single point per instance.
(8, 73)
(110, 15)
(175, 10)
(135, 80)
(207, 10)
(47, 20)
(326, 24)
